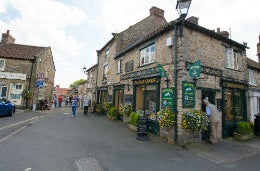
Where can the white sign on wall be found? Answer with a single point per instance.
(14, 76)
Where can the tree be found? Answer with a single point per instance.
(78, 82)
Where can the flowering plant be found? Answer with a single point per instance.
(107, 106)
(125, 109)
(166, 118)
(195, 120)
(27, 94)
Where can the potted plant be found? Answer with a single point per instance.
(243, 132)
(166, 119)
(194, 122)
(107, 106)
(112, 114)
(133, 121)
(125, 110)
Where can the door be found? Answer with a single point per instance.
(210, 95)
(234, 112)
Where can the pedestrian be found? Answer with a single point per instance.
(60, 99)
(74, 104)
(85, 105)
(215, 119)
(55, 101)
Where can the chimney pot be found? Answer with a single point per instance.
(157, 12)
(7, 38)
(218, 30)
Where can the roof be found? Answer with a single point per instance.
(253, 64)
(17, 51)
(61, 91)
(91, 68)
(169, 26)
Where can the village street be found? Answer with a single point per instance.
(55, 141)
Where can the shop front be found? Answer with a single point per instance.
(118, 95)
(234, 105)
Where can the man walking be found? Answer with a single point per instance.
(214, 118)
(85, 105)
(74, 104)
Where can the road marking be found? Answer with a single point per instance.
(13, 133)
(8, 126)
(87, 164)
(28, 169)
(67, 113)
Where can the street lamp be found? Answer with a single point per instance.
(85, 70)
(182, 7)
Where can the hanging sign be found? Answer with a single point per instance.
(195, 69)
(167, 98)
(188, 95)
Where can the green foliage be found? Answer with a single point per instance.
(78, 82)
(27, 94)
(166, 118)
(134, 118)
(244, 128)
(112, 112)
(107, 106)
(195, 120)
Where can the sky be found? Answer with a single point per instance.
(75, 29)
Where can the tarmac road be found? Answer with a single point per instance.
(59, 142)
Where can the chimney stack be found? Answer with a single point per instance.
(223, 33)
(193, 20)
(7, 38)
(157, 12)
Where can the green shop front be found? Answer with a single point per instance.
(234, 105)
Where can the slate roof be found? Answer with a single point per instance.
(17, 51)
(253, 64)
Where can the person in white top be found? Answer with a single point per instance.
(85, 106)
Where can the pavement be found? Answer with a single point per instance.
(227, 151)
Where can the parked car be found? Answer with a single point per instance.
(7, 108)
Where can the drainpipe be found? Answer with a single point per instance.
(175, 82)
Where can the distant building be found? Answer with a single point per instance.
(25, 67)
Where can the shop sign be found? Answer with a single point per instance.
(195, 70)
(11, 75)
(167, 98)
(146, 81)
(129, 66)
(141, 73)
(208, 70)
(188, 95)
(238, 86)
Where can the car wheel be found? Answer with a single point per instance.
(11, 113)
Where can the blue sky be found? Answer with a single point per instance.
(75, 29)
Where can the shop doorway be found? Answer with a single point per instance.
(210, 96)
(235, 110)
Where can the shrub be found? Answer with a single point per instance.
(125, 109)
(112, 112)
(166, 118)
(134, 118)
(244, 128)
(107, 106)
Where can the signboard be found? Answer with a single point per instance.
(195, 69)
(188, 95)
(11, 75)
(142, 129)
(167, 98)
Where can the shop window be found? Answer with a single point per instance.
(147, 55)
(231, 59)
(2, 64)
(251, 79)
(3, 91)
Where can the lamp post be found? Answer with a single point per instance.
(85, 70)
(182, 7)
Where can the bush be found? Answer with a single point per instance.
(107, 106)
(244, 128)
(134, 118)
(125, 109)
(166, 118)
(112, 112)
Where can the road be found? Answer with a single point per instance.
(55, 141)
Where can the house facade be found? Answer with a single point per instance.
(25, 67)
(134, 76)
(91, 86)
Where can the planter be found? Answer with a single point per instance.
(126, 119)
(112, 118)
(132, 127)
(168, 134)
(191, 137)
(242, 137)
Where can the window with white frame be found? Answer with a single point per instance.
(107, 53)
(231, 59)
(251, 79)
(147, 55)
(119, 66)
(2, 64)
(105, 72)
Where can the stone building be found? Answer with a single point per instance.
(91, 86)
(25, 67)
(254, 86)
(108, 82)
(133, 76)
